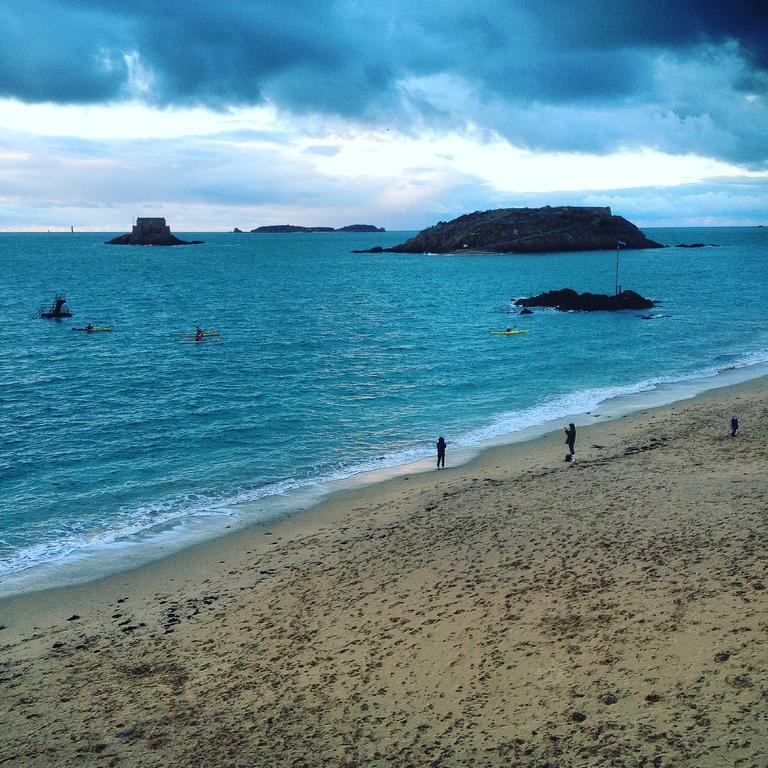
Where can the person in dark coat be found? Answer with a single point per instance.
(570, 439)
(734, 425)
(440, 452)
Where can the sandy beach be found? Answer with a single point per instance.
(514, 611)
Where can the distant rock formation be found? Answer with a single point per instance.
(290, 228)
(695, 245)
(567, 299)
(150, 232)
(527, 230)
(237, 231)
(286, 229)
(361, 228)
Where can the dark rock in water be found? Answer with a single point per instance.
(283, 229)
(692, 245)
(237, 231)
(150, 232)
(529, 230)
(525, 311)
(568, 299)
(361, 228)
(375, 249)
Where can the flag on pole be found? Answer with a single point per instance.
(620, 242)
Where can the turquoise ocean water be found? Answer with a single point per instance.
(330, 364)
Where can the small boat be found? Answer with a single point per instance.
(56, 310)
(204, 333)
(94, 329)
(509, 332)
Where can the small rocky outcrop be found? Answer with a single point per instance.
(695, 245)
(567, 300)
(375, 249)
(527, 230)
(150, 232)
(237, 231)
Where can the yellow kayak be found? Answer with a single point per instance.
(94, 329)
(509, 333)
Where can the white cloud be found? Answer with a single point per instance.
(128, 120)
(251, 167)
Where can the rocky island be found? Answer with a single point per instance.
(287, 229)
(361, 228)
(290, 228)
(527, 230)
(568, 300)
(150, 232)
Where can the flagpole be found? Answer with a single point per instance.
(618, 245)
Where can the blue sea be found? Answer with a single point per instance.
(331, 367)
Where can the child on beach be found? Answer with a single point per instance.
(440, 452)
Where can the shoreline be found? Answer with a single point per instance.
(507, 611)
(140, 550)
(332, 505)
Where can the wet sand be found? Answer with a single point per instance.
(515, 611)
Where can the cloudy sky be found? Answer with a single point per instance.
(389, 112)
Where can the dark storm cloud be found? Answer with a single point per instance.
(59, 52)
(601, 23)
(383, 60)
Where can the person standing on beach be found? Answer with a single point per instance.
(570, 439)
(440, 452)
(734, 425)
